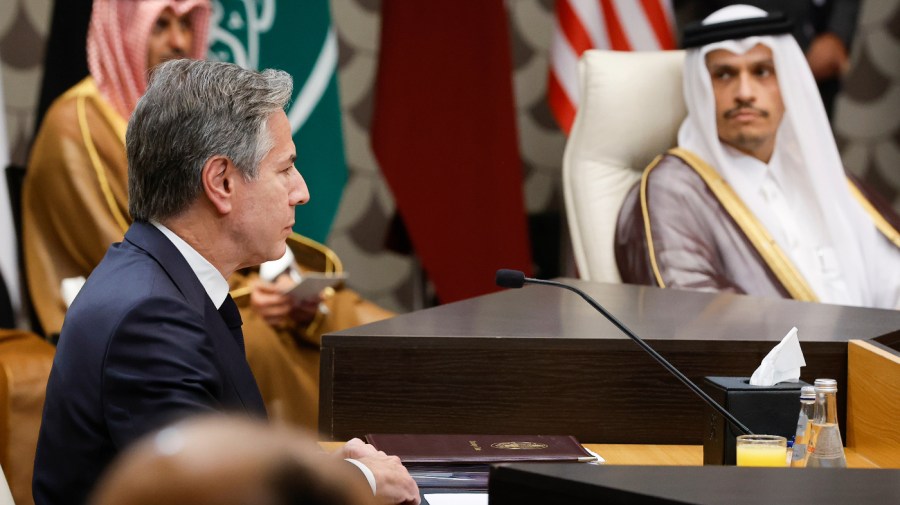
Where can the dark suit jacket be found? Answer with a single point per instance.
(141, 346)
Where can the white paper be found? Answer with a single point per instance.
(782, 363)
(600, 459)
(457, 498)
(312, 283)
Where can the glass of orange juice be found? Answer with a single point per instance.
(761, 450)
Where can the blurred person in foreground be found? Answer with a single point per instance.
(154, 334)
(220, 460)
(755, 199)
(75, 204)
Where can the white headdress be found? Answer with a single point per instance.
(805, 161)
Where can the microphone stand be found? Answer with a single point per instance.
(645, 346)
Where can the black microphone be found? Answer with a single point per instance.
(516, 279)
(510, 278)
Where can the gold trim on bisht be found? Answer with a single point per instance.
(650, 250)
(307, 251)
(84, 88)
(302, 247)
(311, 255)
(880, 222)
(314, 256)
(755, 232)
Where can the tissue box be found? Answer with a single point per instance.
(769, 410)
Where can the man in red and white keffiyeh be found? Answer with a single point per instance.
(128, 38)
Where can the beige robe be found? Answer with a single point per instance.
(75, 204)
(683, 226)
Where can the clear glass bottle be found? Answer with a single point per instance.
(825, 448)
(804, 422)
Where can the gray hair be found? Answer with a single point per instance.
(194, 110)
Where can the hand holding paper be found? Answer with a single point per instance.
(304, 286)
(782, 363)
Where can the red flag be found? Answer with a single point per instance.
(444, 133)
(620, 25)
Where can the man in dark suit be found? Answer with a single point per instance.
(154, 335)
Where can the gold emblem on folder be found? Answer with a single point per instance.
(519, 445)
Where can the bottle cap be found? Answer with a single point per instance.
(807, 393)
(826, 385)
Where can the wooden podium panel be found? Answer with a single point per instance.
(874, 402)
(541, 361)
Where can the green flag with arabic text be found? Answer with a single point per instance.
(297, 37)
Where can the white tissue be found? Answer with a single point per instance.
(782, 363)
(69, 288)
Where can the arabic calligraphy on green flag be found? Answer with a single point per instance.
(296, 37)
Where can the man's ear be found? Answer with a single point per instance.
(218, 177)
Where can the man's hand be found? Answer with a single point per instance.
(393, 483)
(277, 308)
(827, 57)
(356, 449)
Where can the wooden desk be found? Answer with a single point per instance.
(540, 360)
(658, 455)
(662, 455)
(874, 407)
(681, 455)
(874, 402)
(652, 474)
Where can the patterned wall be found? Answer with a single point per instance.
(867, 122)
(23, 31)
(867, 113)
(359, 231)
(391, 279)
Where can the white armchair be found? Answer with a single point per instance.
(631, 106)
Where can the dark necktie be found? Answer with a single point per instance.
(232, 317)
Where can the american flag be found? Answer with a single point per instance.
(620, 25)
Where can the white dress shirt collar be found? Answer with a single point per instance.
(215, 285)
